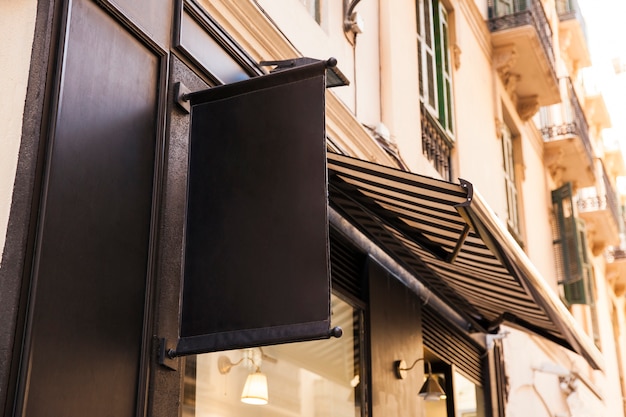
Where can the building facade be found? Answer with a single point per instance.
(196, 195)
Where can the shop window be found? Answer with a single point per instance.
(316, 378)
(435, 73)
(465, 398)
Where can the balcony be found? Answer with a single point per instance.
(524, 54)
(614, 161)
(568, 151)
(616, 269)
(597, 111)
(573, 34)
(598, 207)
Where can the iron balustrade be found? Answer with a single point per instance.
(577, 125)
(615, 253)
(436, 145)
(607, 201)
(517, 13)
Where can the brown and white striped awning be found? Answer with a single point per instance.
(446, 236)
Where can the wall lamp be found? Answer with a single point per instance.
(431, 390)
(255, 389)
(352, 22)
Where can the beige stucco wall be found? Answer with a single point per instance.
(611, 384)
(537, 206)
(478, 148)
(315, 41)
(17, 25)
(400, 106)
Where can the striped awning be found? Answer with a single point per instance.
(446, 236)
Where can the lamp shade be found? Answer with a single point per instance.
(431, 390)
(255, 389)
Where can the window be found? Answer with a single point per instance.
(574, 270)
(434, 61)
(508, 164)
(318, 378)
(575, 273)
(314, 7)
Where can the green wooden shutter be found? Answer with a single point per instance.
(444, 71)
(426, 37)
(580, 291)
(570, 244)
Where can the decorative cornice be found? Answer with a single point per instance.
(499, 124)
(456, 56)
(527, 107)
(350, 134)
(251, 28)
(504, 59)
(246, 22)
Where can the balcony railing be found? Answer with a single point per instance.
(516, 13)
(615, 254)
(607, 201)
(575, 124)
(436, 145)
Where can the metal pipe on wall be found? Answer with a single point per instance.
(397, 270)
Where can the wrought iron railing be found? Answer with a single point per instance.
(607, 201)
(577, 125)
(436, 145)
(516, 13)
(615, 253)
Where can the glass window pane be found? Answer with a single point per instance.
(309, 379)
(418, 8)
(431, 81)
(428, 26)
(420, 68)
(468, 397)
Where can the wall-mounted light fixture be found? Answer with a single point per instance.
(255, 389)
(431, 389)
(353, 21)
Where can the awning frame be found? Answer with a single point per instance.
(442, 233)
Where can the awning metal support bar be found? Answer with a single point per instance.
(408, 279)
(459, 244)
(392, 195)
(418, 237)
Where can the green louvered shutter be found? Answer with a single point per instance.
(570, 248)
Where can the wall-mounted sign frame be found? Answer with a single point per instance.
(256, 259)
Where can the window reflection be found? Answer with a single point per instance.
(468, 397)
(436, 408)
(308, 379)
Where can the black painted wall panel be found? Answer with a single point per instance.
(92, 261)
(396, 333)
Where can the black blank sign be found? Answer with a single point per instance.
(256, 268)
